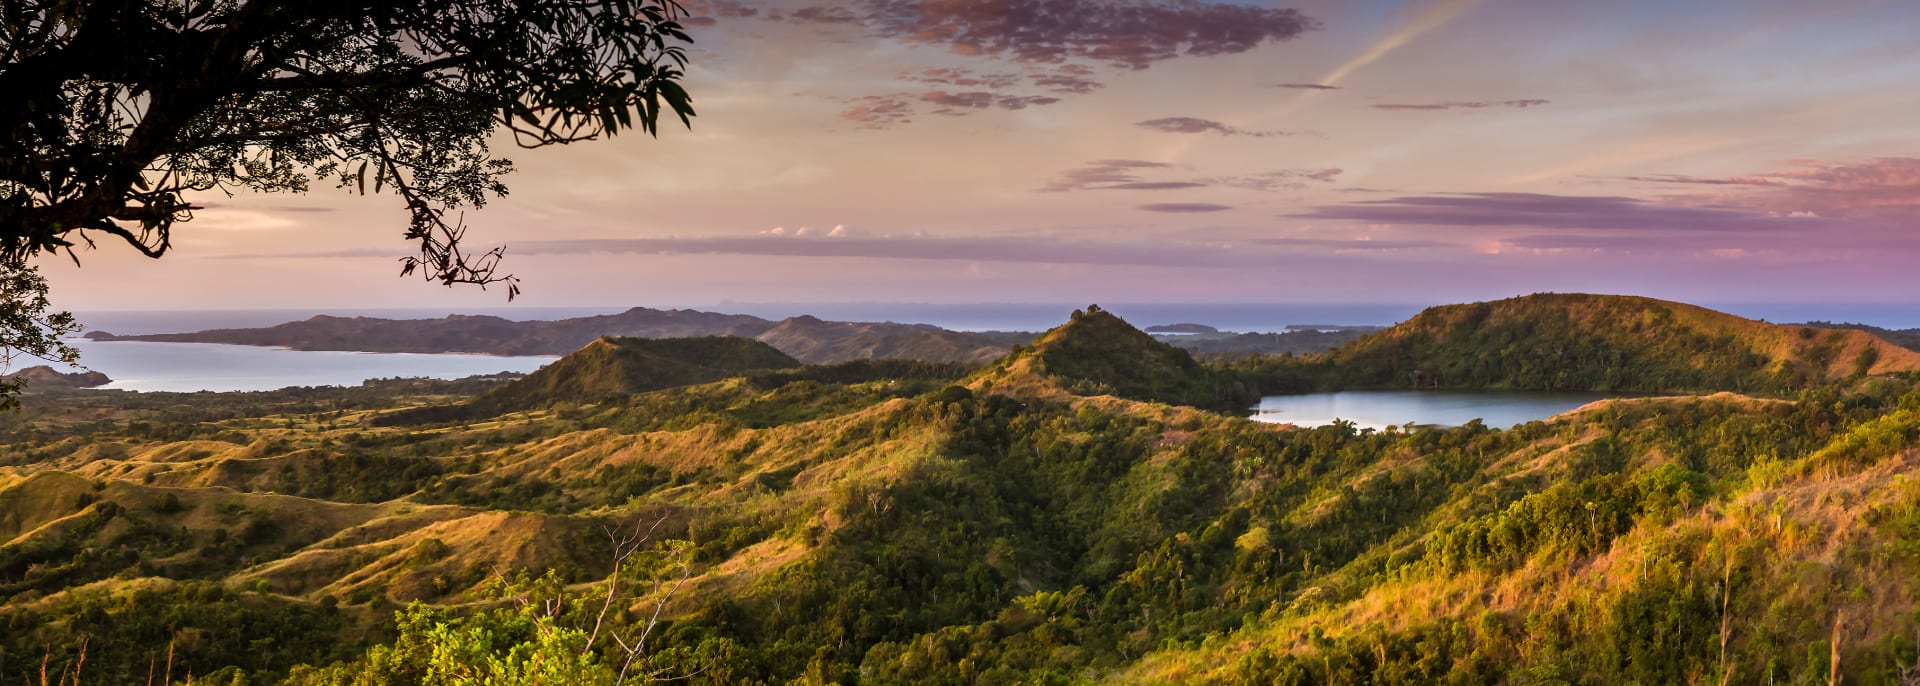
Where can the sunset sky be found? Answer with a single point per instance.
(1171, 151)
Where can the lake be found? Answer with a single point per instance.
(1381, 409)
(188, 367)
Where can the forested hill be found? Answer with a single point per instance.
(48, 377)
(613, 368)
(808, 339)
(1607, 342)
(1097, 353)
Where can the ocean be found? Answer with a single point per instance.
(189, 367)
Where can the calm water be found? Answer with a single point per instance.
(187, 367)
(1381, 409)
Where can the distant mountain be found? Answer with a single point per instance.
(1607, 342)
(816, 341)
(468, 333)
(809, 339)
(43, 376)
(1297, 342)
(1097, 353)
(612, 368)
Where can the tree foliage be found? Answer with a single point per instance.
(27, 328)
(118, 111)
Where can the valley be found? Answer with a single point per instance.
(1090, 505)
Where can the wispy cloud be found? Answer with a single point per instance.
(963, 77)
(1361, 244)
(878, 111)
(956, 102)
(1463, 104)
(1433, 16)
(1198, 125)
(1307, 86)
(1882, 187)
(1285, 179)
(1542, 211)
(964, 249)
(1072, 79)
(1149, 186)
(1132, 34)
(1103, 174)
(1133, 175)
(1185, 207)
(1699, 180)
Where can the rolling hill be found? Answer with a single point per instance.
(1049, 519)
(1605, 342)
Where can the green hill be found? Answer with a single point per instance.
(1605, 342)
(1097, 353)
(612, 368)
(43, 376)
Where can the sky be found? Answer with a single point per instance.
(949, 151)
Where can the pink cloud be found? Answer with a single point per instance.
(1883, 187)
(1198, 125)
(1131, 33)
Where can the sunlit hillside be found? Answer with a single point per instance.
(1070, 514)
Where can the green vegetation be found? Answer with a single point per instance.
(1589, 342)
(1905, 338)
(1068, 515)
(611, 368)
(1097, 353)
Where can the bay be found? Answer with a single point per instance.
(1381, 409)
(189, 367)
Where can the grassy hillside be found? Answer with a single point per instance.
(1604, 342)
(894, 523)
(1905, 338)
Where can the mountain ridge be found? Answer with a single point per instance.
(807, 338)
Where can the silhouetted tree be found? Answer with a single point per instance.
(116, 110)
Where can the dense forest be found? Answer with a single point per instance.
(1087, 509)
